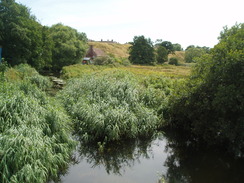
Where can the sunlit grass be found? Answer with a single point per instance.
(115, 49)
(166, 70)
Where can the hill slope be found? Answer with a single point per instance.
(116, 49)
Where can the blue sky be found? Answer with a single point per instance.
(187, 22)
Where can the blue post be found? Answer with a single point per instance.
(0, 54)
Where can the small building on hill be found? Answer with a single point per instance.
(91, 54)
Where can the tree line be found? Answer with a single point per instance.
(143, 51)
(25, 40)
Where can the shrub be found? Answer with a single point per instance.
(104, 60)
(211, 105)
(173, 61)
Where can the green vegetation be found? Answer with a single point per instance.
(193, 53)
(162, 54)
(173, 61)
(69, 46)
(211, 104)
(107, 102)
(35, 134)
(142, 51)
(26, 41)
(171, 71)
(111, 105)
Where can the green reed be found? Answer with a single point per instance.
(34, 135)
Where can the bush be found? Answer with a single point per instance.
(211, 105)
(104, 60)
(173, 61)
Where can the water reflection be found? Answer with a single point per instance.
(116, 157)
(175, 156)
(188, 162)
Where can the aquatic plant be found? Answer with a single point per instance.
(109, 106)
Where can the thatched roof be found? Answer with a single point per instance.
(94, 52)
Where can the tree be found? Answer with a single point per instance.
(69, 46)
(168, 45)
(192, 53)
(177, 47)
(212, 104)
(20, 35)
(141, 51)
(162, 54)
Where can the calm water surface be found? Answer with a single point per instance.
(128, 163)
(178, 160)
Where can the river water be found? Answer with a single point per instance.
(147, 161)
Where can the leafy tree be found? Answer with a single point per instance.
(190, 46)
(177, 47)
(168, 45)
(141, 51)
(69, 46)
(162, 54)
(192, 53)
(20, 35)
(212, 104)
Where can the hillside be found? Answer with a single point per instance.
(178, 54)
(121, 50)
(116, 49)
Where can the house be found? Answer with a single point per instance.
(91, 54)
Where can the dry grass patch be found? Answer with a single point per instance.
(116, 49)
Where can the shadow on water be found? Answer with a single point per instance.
(189, 162)
(184, 161)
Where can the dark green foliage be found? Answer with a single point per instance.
(191, 54)
(69, 46)
(173, 61)
(21, 36)
(177, 47)
(141, 51)
(212, 104)
(168, 45)
(162, 54)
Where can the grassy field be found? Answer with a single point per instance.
(180, 55)
(160, 70)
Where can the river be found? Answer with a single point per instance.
(147, 161)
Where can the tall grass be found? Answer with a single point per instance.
(110, 106)
(26, 72)
(34, 135)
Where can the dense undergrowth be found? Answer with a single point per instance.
(113, 105)
(35, 130)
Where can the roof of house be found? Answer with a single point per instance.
(95, 52)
